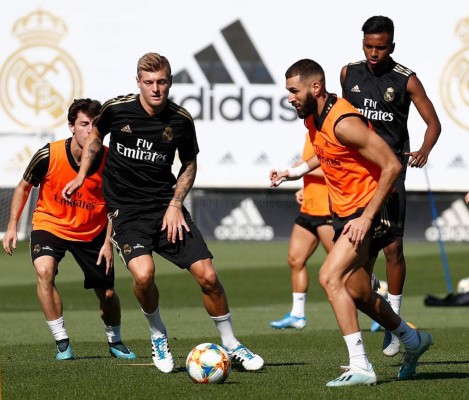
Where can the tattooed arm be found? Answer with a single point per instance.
(174, 220)
(91, 149)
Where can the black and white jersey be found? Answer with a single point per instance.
(384, 100)
(142, 149)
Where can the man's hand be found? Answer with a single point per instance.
(417, 159)
(356, 230)
(71, 187)
(10, 236)
(106, 252)
(277, 177)
(174, 223)
(299, 196)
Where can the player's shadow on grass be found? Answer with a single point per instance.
(78, 358)
(238, 367)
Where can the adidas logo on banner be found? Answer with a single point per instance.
(244, 51)
(244, 223)
(230, 81)
(453, 224)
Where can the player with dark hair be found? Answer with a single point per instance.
(383, 90)
(360, 170)
(312, 226)
(147, 201)
(78, 225)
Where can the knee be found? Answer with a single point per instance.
(295, 262)
(209, 280)
(394, 253)
(144, 279)
(45, 274)
(106, 295)
(329, 282)
(209, 283)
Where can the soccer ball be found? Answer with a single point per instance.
(463, 286)
(381, 287)
(208, 363)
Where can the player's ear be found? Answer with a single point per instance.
(315, 87)
(392, 48)
(170, 80)
(138, 81)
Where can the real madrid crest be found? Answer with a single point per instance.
(39, 81)
(127, 249)
(389, 94)
(454, 87)
(168, 134)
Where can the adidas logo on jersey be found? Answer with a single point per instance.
(244, 223)
(453, 224)
(355, 89)
(126, 129)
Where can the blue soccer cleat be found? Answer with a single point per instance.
(375, 327)
(411, 357)
(120, 350)
(289, 321)
(66, 354)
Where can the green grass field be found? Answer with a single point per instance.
(257, 280)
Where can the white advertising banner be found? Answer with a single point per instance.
(228, 61)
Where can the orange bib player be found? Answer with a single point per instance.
(78, 225)
(312, 226)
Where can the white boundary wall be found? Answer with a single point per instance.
(97, 54)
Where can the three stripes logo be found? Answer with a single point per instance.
(453, 224)
(216, 71)
(230, 81)
(244, 223)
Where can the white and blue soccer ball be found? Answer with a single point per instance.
(208, 363)
(463, 286)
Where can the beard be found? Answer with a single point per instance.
(309, 107)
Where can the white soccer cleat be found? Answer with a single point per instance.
(391, 344)
(244, 356)
(354, 376)
(162, 357)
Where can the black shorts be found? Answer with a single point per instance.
(383, 235)
(396, 208)
(138, 232)
(86, 254)
(312, 223)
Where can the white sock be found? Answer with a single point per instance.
(225, 327)
(395, 301)
(113, 333)
(57, 327)
(157, 327)
(298, 308)
(356, 351)
(407, 335)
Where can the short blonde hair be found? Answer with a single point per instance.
(152, 62)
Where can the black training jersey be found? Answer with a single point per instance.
(142, 150)
(384, 100)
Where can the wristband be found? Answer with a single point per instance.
(171, 205)
(299, 171)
